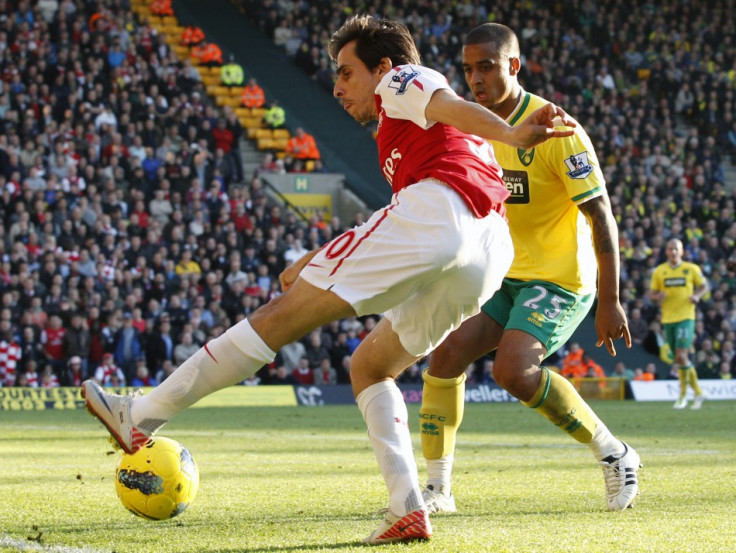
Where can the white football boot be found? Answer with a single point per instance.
(622, 483)
(438, 501)
(113, 411)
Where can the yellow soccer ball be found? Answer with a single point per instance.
(159, 481)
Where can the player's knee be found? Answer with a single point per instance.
(448, 361)
(519, 382)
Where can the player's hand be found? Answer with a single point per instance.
(610, 325)
(289, 275)
(549, 121)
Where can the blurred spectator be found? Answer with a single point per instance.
(74, 374)
(284, 376)
(325, 374)
(207, 53)
(77, 340)
(620, 370)
(231, 73)
(142, 378)
(275, 116)
(49, 378)
(10, 359)
(108, 373)
(191, 36)
(573, 365)
(253, 95)
(128, 347)
(302, 145)
(303, 373)
(592, 369)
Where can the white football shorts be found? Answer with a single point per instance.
(424, 261)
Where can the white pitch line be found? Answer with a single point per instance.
(26, 545)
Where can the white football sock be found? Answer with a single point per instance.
(439, 472)
(385, 414)
(604, 444)
(231, 358)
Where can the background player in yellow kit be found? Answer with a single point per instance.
(557, 194)
(678, 285)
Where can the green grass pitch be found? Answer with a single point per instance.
(305, 479)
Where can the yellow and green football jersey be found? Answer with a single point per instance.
(678, 284)
(552, 238)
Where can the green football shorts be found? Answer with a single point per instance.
(548, 312)
(680, 335)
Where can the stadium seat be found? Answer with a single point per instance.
(258, 112)
(254, 123)
(281, 134)
(280, 143)
(265, 144)
(236, 91)
(264, 133)
(309, 165)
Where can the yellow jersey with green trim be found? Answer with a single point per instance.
(678, 284)
(552, 238)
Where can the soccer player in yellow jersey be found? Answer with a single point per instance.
(564, 233)
(678, 286)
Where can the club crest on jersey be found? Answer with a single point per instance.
(408, 75)
(525, 156)
(579, 166)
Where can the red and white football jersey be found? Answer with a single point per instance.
(412, 149)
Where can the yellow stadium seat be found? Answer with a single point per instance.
(282, 133)
(264, 133)
(222, 91)
(309, 165)
(236, 91)
(280, 143)
(252, 122)
(265, 144)
(210, 80)
(258, 112)
(170, 20)
(241, 111)
(233, 102)
(212, 90)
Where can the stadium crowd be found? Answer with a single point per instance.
(131, 236)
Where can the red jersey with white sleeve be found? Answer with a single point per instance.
(412, 149)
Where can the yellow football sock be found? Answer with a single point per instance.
(692, 376)
(558, 400)
(682, 377)
(443, 403)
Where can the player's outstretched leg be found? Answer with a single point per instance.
(220, 363)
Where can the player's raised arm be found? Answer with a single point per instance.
(549, 121)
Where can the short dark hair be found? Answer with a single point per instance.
(506, 39)
(375, 40)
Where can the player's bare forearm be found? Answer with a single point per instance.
(547, 122)
(610, 320)
(289, 275)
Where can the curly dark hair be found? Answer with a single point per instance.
(375, 40)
